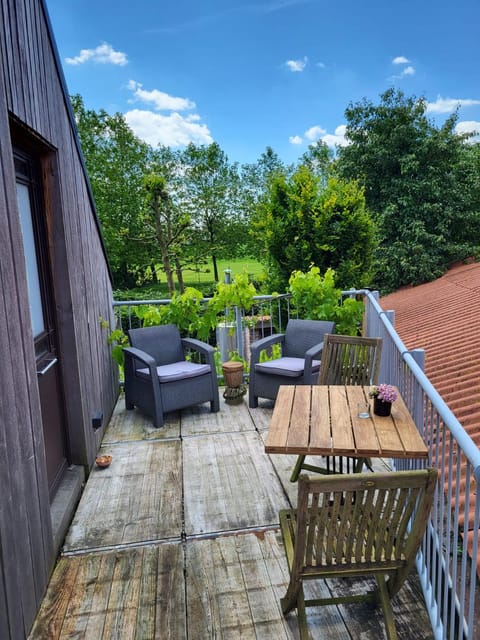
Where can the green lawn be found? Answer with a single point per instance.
(253, 268)
(202, 281)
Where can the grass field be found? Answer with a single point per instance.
(201, 280)
(253, 268)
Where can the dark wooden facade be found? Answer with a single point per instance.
(35, 115)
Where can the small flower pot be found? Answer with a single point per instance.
(381, 408)
(233, 374)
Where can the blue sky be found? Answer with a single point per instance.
(249, 74)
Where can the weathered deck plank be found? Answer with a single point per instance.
(262, 414)
(234, 586)
(209, 575)
(133, 425)
(130, 594)
(230, 484)
(137, 499)
(200, 421)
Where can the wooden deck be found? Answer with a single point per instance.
(178, 539)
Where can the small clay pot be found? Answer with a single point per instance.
(233, 374)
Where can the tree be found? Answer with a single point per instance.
(168, 225)
(116, 160)
(318, 158)
(210, 194)
(419, 186)
(304, 224)
(255, 183)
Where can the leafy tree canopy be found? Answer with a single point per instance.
(116, 161)
(304, 223)
(421, 186)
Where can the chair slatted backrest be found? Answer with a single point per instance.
(350, 360)
(361, 523)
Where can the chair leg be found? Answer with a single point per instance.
(297, 468)
(158, 419)
(387, 609)
(302, 616)
(359, 465)
(363, 461)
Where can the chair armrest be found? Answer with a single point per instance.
(316, 350)
(197, 345)
(259, 345)
(201, 347)
(132, 353)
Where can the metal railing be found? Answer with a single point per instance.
(447, 561)
(267, 315)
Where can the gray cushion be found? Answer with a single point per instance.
(178, 371)
(290, 367)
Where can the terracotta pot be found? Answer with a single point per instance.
(381, 408)
(233, 374)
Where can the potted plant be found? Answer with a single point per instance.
(383, 396)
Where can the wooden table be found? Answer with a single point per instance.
(323, 420)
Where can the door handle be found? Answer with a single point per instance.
(48, 366)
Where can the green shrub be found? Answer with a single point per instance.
(316, 298)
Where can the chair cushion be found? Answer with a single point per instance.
(290, 367)
(177, 371)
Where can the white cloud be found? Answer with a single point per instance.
(406, 71)
(161, 101)
(338, 138)
(318, 133)
(297, 65)
(314, 133)
(447, 105)
(172, 130)
(400, 60)
(469, 126)
(103, 54)
(295, 140)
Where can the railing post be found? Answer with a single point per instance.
(239, 330)
(417, 409)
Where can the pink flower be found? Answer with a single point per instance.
(384, 392)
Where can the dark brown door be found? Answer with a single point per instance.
(42, 313)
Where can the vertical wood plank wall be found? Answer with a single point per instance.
(32, 91)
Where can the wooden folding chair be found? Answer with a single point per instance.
(346, 360)
(355, 525)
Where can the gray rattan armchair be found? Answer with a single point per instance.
(301, 346)
(158, 378)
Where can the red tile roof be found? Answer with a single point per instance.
(443, 317)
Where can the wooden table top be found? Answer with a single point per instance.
(323, 420)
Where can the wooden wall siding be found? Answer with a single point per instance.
(32, 93)
(31, 72)
(25, 527)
